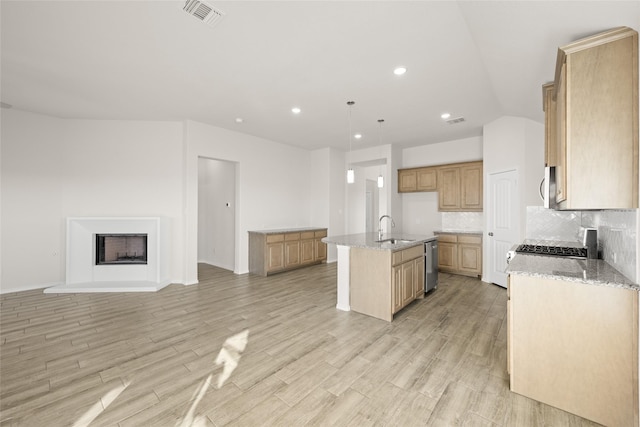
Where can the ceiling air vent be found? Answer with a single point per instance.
(455, 120)
(204, 12)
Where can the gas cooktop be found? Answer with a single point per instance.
(552, 251)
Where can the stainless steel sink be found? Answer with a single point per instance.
(394, 241)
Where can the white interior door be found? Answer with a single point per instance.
(504, 222)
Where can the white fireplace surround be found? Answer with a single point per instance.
(82, 273)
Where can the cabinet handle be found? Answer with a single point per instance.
(491, 233)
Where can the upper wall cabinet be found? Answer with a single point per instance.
(459, 185)
(417, 179)
(591, 113)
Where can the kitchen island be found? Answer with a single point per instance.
(379, 275)
(572, 336)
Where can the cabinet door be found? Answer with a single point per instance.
(320, 250)
(408, 282)
(307, 251)
(275, 256)
(427, 179)
(449, 188)
(291, 254)
(469, 258)
(447, 256)
(549, 107)
(396, 288)
(561, 136)
(419, 277)
(407, 180)
(471, 187)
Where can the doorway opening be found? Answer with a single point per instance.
(217, 212)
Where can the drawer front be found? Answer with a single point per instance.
(474, 240)
(292, 236)
(412, 253)
(307, 235)
(271, 238)
(321, 233)
(450, 238)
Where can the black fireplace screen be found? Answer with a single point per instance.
(121, 249)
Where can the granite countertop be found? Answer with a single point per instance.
(590, 271)
(451, 231)
(287, 230)
(368, 241)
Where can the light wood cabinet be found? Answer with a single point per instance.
(460, 187)
(550, 129)
(320, 248)
(460, 254)
(418, 289)
(574, 346)
(592, 121)
(383, 282)
(417, 179)
(449, 188)
(272, 252)
(291, 250)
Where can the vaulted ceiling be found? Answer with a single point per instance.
(150, 60)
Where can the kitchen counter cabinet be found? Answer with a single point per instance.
(591, 122)
(460, 254)
(384, 282)
(574, 346)
(460, 187)
(273, 251)
(417, 179)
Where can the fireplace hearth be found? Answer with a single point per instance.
(118, 249)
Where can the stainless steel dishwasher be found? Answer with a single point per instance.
(430, 265)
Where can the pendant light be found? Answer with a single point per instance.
(380, 177)
(351, 177)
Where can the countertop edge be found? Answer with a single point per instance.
(368, 241)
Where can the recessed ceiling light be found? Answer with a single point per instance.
(239, 120)
(357, 136)
(445, 116)
(296, 110)
(398, 71)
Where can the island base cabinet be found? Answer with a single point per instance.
(383, 282)
(574, 346)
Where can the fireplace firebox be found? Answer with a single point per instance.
(121, 249)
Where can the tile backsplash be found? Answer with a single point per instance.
(462, 221)
(617, 232)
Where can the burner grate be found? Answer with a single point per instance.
(552, 251)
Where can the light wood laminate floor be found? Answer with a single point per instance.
(150, 359)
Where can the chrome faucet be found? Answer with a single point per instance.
(393, 224)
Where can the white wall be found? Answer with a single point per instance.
(216, 212)
(56, 168)
(515, 143)
(273, 182)
(33, 227)
(420, 210)
(327, 193)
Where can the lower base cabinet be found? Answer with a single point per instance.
(574, 346)
(460, 254)
(281, 250)
(384, 282)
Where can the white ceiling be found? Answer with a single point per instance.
(149, 60)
